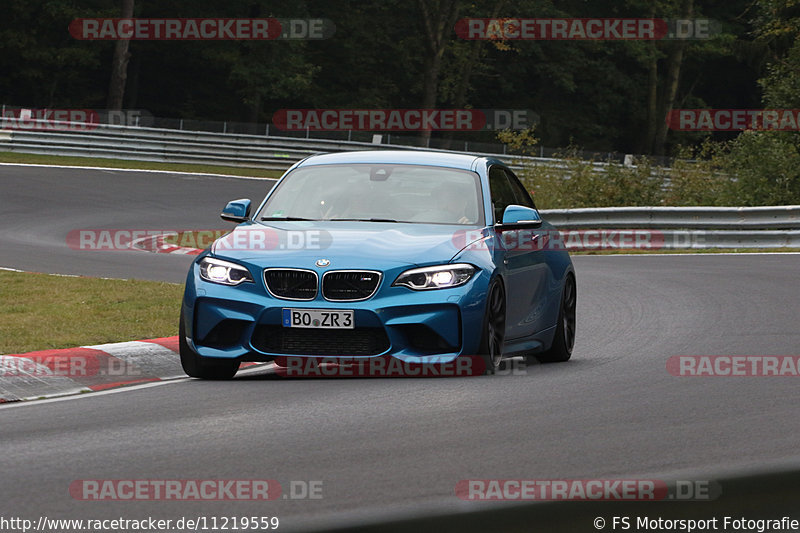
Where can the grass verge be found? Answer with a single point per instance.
(14, 157)
(42, 311)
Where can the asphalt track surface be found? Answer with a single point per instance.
(400, 446)
(39, 206)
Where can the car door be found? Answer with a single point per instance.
(523, 264)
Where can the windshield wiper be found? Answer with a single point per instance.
(286, 218)
(365, 219)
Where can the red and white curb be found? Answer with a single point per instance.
(54, 373)
(49, 373)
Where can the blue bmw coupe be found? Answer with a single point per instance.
(420, 257)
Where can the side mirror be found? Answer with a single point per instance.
(520, 217)
(236, 211)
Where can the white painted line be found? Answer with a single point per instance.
(139, 170)
(91, 394)
(75, 395)
(124, 350)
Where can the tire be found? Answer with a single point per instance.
(494, 327)
(564, 338)
(196, 366)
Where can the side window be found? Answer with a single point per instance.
(502, 193)
(522, 196)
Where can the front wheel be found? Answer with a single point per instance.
(196, 366)
(564, 338)
(494, 327)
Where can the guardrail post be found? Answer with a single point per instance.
(180, 126)
(225, 127)
(349, 135)
(267, 131)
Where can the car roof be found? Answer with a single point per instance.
(395, 157)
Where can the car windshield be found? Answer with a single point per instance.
(377, 193)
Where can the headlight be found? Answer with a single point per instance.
(224, 272)
(435, 277)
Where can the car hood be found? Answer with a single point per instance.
(344, 244)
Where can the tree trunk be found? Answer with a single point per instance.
(674, 64)
(119, 64)
(438, 18)
(652, 95)
(652, 103)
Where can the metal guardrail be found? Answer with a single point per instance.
(679, 227)
(146, 144)
(17, 115)
(707, 218)
(181, 146)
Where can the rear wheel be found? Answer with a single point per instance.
(494, 327)
(564, 338)
(200, 367)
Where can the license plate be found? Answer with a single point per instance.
(318, 318)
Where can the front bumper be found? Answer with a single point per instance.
(244, 322)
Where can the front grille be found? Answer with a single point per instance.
(350, 285)
(291, 283)
(330, 342)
